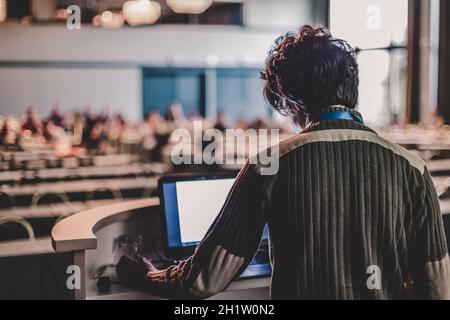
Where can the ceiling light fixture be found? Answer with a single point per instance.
(140, 12)
(189, 6)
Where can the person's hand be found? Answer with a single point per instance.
(133, 271)
(140, 274)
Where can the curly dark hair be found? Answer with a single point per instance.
(309, 71)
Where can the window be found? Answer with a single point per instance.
(162, 86)
(238, 92)
(377, 29)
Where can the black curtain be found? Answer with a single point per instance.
(444, 61)
(413, 91)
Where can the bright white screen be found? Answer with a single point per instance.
(199, 202)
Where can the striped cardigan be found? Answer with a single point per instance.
(351, 216)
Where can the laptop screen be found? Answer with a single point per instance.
(190, 207)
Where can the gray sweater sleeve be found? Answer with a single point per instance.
(432, 264)
(228, 246)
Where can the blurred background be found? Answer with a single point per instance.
(91, 90)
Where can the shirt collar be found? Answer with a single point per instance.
(336, 124)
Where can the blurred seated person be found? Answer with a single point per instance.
(175, 116)
(194, 116)
(221, 121)
(57, 118)
(154, 124)
(116, 127)
(259, 124)
(31, 122)
(8, 136)
(52, 132)
(95, 140)
(155, 133)
(241, 124)
(88, 122)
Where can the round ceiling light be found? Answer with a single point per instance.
(108, 19)
(189, 6)
(139, 12)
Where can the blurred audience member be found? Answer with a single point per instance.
(57, 118)
(154, 124)
(193, 116)
(97, 142)
(221, 122)
(241, 124)
(117, 127)
(8, 136)
(175, 113)
(259, 124)
(52, 132)
(31, 122)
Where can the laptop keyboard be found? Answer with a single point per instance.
(260, 265)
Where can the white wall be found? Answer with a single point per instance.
(99, 67)
(116, 90)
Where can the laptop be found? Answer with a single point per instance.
(190, 203)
